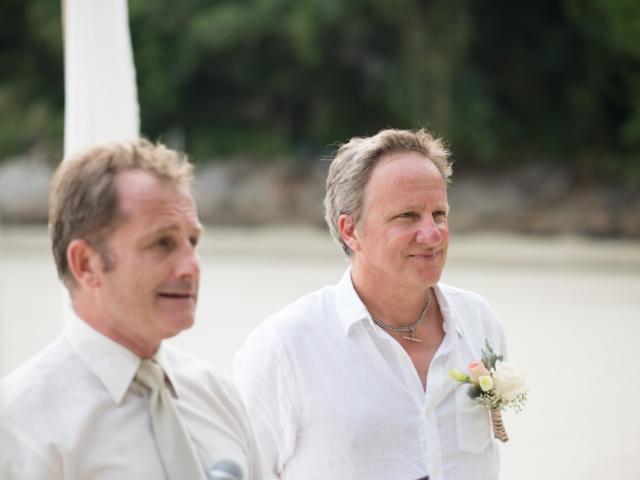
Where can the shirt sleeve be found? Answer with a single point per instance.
(20, 459)
(503, 344)
(494, 328)
(501, 338)
(264, 379)
(258, 468)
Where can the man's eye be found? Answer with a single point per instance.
(194, 241)
(163, 243)
(440, 213)
(407, 215)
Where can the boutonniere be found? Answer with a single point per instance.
(496, 385)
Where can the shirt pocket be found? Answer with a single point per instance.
(473, 422)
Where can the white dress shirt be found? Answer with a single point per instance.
(72, 412)
(333, 396)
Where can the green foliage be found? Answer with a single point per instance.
(489, 357)
(31, 77)
(503, 82)
(474, 392)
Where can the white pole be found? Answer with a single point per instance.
(101, 99)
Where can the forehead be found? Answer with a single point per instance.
(404, 174)
(147, 199)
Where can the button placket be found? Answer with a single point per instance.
(434, 390)
(409, 372)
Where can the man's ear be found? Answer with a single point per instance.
(84, 262)
(349, 231)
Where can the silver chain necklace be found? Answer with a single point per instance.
(410, 328)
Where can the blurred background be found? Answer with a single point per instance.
(539, 102)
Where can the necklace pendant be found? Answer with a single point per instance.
(409, 328)
(411, 338)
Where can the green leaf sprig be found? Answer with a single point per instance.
(489, 357)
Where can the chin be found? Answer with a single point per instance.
(177, 324)
(427, 279)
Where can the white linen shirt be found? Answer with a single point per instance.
(72, 412)
(332, 395)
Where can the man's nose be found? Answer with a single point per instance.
(428, 233)
(188, 262)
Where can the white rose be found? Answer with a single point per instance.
(509, 381)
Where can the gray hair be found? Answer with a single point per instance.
(352, 167)
(84, 201)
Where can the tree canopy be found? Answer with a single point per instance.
(503, 82)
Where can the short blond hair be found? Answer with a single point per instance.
(354, 162)
(84, 201)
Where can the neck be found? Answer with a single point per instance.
(394, 305)
(96, 318)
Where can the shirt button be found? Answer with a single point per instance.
(426, 412)
(368, 328)
(401, 355)
(434, 473)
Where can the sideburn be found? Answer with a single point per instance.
(106, 256)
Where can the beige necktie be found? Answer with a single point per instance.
(174, 445)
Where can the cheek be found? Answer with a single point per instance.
(402, 238)
(394, 245)
(444, 231)
(132, 278)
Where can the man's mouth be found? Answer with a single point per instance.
(173, 295)
(178, 290)
(425, 255)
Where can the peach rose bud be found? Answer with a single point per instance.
(477, 370)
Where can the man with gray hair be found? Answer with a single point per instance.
(351, 381)
(109, 399)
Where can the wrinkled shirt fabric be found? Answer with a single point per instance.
(74, 412)
(332, 395)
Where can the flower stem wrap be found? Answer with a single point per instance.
(498, 427)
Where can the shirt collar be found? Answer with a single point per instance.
(451, 322)
(351, 309)
(162, 358)
(114, 364)
(348, 304)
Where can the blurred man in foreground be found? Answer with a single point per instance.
(351, 381)
(108, 399)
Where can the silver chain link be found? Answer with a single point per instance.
(410, 327)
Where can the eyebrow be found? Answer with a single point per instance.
(442, 206)
(172, 228)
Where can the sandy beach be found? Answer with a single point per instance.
(571, 310)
